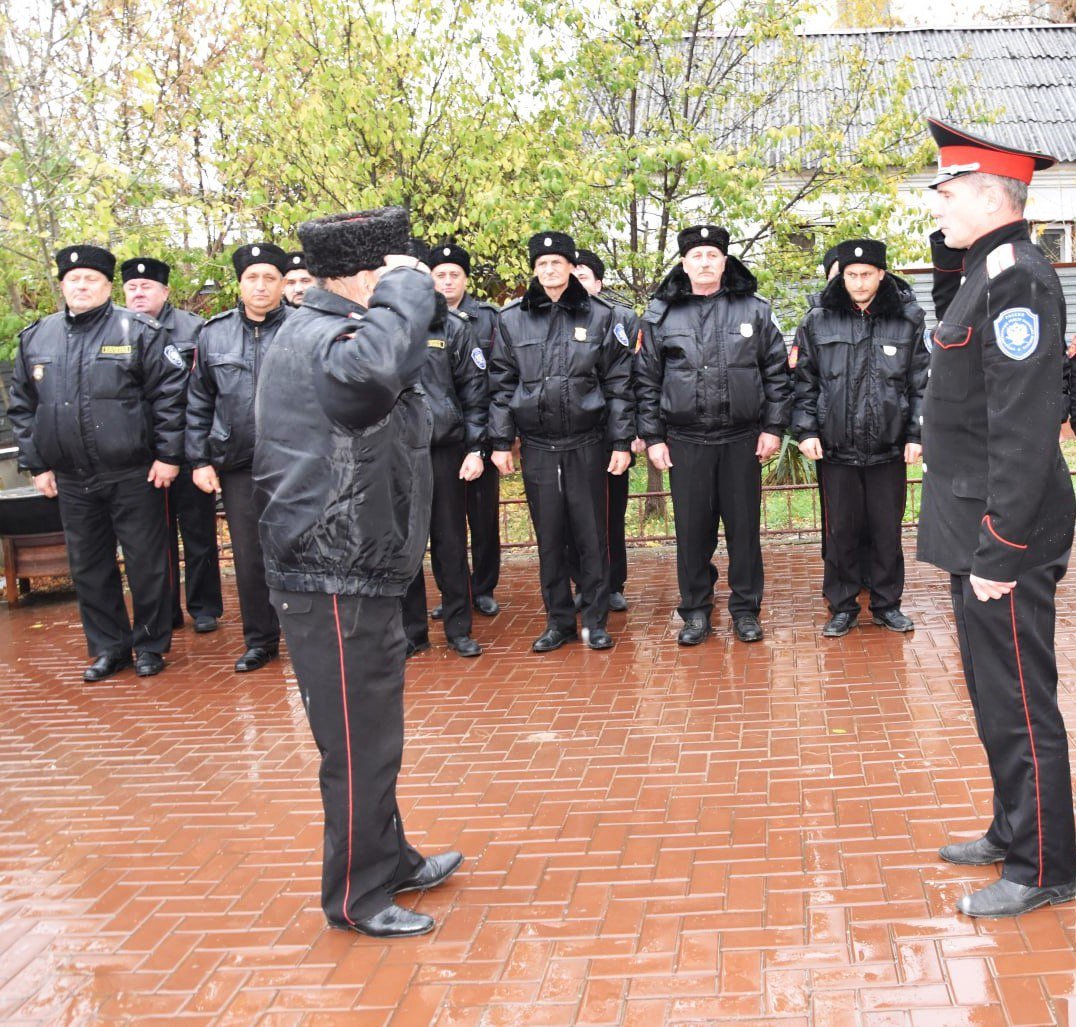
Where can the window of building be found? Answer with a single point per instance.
(1055, 240)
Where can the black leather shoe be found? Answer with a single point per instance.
(204, 625)
(976, 853)
(393, 922)
(747, 628)
(414, 648)
(255, 658)
(438, 612)
(435, 870)
(465, 646)
(599, 638)
(892, 619)
(1007, 898)
(839, 624)
(617, 602)
(694, 631)
(148, 664)
(487, 606)
(553, 638)
(105, 666)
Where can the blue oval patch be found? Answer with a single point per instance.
(1017, 332)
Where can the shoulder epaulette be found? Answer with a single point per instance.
(144, 318)
(32, 325)
(603, 301)
(1000, 260)
(513, 303)
(655, 311)
(486, 305)
(459, 315)
(221, 316)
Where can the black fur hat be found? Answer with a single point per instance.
(544, 243)
(450, 253)
(861, 251)
(96, 258)
(588, 258)
(341, 245)
(829, 258)
(702, 235)
(145, 267)
(259, 253)
(296, 261)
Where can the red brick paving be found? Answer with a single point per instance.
(731, 834)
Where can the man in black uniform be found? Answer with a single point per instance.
(450, 266)
(297, 278)
(713, 393)
(861, 368)
(454, 380)
(220, 430)
(190, 510)
(342, 461)
(590, 270)
(561, 379)
(97, 411)
(997, 512)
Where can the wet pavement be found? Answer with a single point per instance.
(729, 834)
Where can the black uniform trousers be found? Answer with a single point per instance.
(1007, 648)
(864, 507)
(95, 516)
(193, 513)
(566, 493)
(484, 518)
(242, 509)
(448, 552)
(348, 656)
(616, 494)
(711, 483)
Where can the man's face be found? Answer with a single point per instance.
(295, 285)
(552, 271)
(591, 282)
(145, 295)
(863, 282)
(962, 212)
(261, 287)
(83, 289)
(450, 281)
(704, 266)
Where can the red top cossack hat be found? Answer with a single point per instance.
(960, 153)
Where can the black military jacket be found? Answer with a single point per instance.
(454, 380)
(220, 396)
(559, 376)
(342, 460)
(860, 375)
(997, 496)
(181, 329)
(483, 318)
(711, 369)
(97, 393)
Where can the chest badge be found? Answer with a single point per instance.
(889, 351)
(38, 372)
(436, 343)
(580, 334)
(747, 330)
(1017, 332)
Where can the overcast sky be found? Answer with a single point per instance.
(935, 13)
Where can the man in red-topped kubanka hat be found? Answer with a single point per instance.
(997, 512)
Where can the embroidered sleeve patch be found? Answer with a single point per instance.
(174, 357)
(928, 337)
(479, 358)
(621, 335)
(1017, 332)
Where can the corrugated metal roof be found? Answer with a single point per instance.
(1024, 76)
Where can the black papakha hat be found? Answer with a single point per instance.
(544, 243)
(861, 251)
(259, 253)
(588, 258)
(341, 245)
(296, 261)
(145, 267)
(96, 258)
(450, 253)
(702, 235)
(829, 258)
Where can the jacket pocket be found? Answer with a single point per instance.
(950, 362)
(970, 486)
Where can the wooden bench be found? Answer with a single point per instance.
(32, 556)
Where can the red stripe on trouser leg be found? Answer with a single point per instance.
(347, 743)
(1030, 732)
